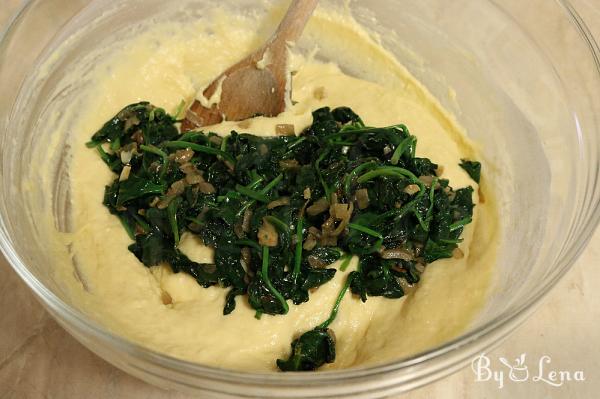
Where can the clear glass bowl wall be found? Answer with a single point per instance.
(525, 91)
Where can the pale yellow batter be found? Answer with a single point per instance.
(166, 63)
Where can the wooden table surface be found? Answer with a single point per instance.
(38, 359)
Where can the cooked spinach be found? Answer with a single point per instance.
(473, 168)
(316, 347)
(278, 211)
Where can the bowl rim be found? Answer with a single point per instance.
(496, 329)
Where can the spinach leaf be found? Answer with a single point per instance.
(310, 351)
(137, 187)
(375, 278)
(316, 347)
(473, 168)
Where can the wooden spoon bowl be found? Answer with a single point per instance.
(260, 84)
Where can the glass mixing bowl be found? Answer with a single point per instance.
(525, 84)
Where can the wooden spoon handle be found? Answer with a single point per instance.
(296, 18)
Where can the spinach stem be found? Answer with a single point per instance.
(354, 172)
(296, 143)
(431, 199)
(338, 301)
(255, 195)
(112, 164)
(254, 184)
(410, 207)
(154, 150)
(179, 110)
(196, 220)
(461, 223)
(193, 136)
(345, 262)
(349, 131)
(263, 191)
(231, 195)
(278, 223)
(157, 151)
(200, 148)
(399, 213)
(356, 124)
(342, 143)
(115, 145)
(265, 276)
(365, 230)
(450, 241)
(141, 222)
(172, 213)
(105, 157)
(224, 143)
(272, 184)
(249, 243)
(392, 171)
(407, 143)
(370, 232)
(298, 256)
(321, 179)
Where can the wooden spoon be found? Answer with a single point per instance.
(259, 84)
